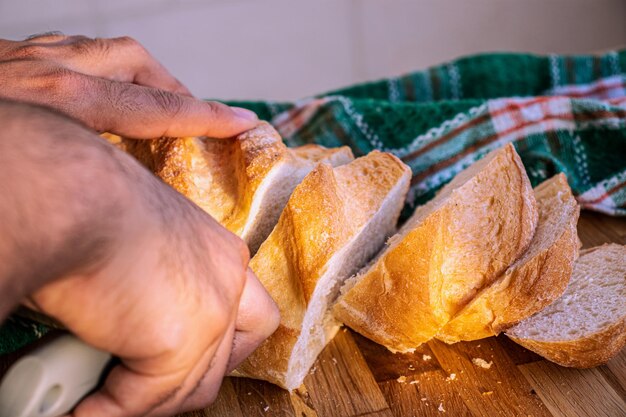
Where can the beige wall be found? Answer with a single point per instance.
(285, 49)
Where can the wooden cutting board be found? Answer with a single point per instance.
(356, 377)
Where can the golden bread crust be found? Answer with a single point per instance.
(535, 280)
(223, 176)
(328, 209)
(453, 247)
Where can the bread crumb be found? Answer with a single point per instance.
(413, 382)
(441, 409)
(312, 371)
(266, 408)
(482, 363)
(249, 392)
(452, 377)
(401, 379)
(424, 399)
(335, 361)
(411, 367)
(488, 393)
(426, 357)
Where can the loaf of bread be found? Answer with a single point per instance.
(487, 254)
(587, 325)
(243, 182)
(448, 252)
(535, 280)
(334, 222)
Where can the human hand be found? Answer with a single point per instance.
(175, 302)
(111, 85)
(126, 264)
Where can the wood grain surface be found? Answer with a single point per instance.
(356, 377)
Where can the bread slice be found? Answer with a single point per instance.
(334, 222)
(587, 325)
(533, 282)
(243, 182)
(446, 253)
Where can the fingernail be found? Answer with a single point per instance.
(245, 113)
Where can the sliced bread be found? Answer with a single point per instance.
(334, 222)
(537, 279)
(243, 182)
(587, 325)
(446, 253)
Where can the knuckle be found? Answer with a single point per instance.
(128, 41)
(94, 48)
(131, 44)
(53, 35)
(169, 104)
(215, 107)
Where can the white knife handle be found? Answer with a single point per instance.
(51, 380)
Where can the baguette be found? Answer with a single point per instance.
(586, 326)
(334, 222)
(447, 252)
(243, 182)
(536, 280)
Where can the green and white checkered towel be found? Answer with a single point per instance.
(563, 114)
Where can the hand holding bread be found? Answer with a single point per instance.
(126, 264)
(111, 85)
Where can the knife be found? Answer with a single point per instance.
(51, 380)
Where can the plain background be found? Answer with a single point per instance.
(288, 49)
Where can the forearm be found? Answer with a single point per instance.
(62, 194)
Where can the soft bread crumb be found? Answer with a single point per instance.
(488, 393)
(482, 363)
(591, 303)
(266, 408)
(424, 399)
(452, 377)
(441, 409)
(426, 357)
(401, 379)
(413, 382)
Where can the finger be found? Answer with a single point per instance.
(118, 59)
(141, 112)
(127, 393)
(257, 318)
(205, 388)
